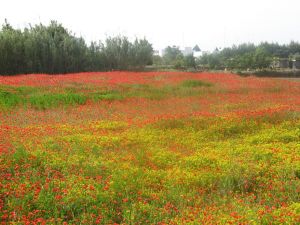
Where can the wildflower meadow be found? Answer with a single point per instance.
(149, 148)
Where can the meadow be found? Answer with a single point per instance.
(149, 148)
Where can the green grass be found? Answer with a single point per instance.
(37, 98)
(109, 95)
(184, 89)
(195, 83)
(46, 101)
(43, 98)
(8, 100)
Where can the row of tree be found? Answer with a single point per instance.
(172, 56)
(244, 56)
(248, 56)
(53, 49)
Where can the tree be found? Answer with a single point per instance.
(143, 53)
(189, 61)
(157, 60)
(179, 61)
(54, 49)
(171, 54)
(211, 61)
(261, 58)
(246, 56)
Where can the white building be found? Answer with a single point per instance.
(187, 51)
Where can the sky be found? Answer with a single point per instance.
(208, 23)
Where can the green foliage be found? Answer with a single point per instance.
(157, 60)
(142, 53)
(43, 98)
(46, 101)
(179, 62)
(8, 100)
(171, 54)
(261, 58)
(186, 88)
(211, 61)
(106, 95)
(248, 56)
(189, 61)
(20, 155)
(120, 53)
(53, 49)
(195, 83)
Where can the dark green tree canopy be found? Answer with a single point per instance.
(54, 49)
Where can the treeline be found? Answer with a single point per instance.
(172, 56)
(249, 56)
(240, 57)
(53, 49)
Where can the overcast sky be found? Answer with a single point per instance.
(208, 23)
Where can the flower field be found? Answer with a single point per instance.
(149, 148)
